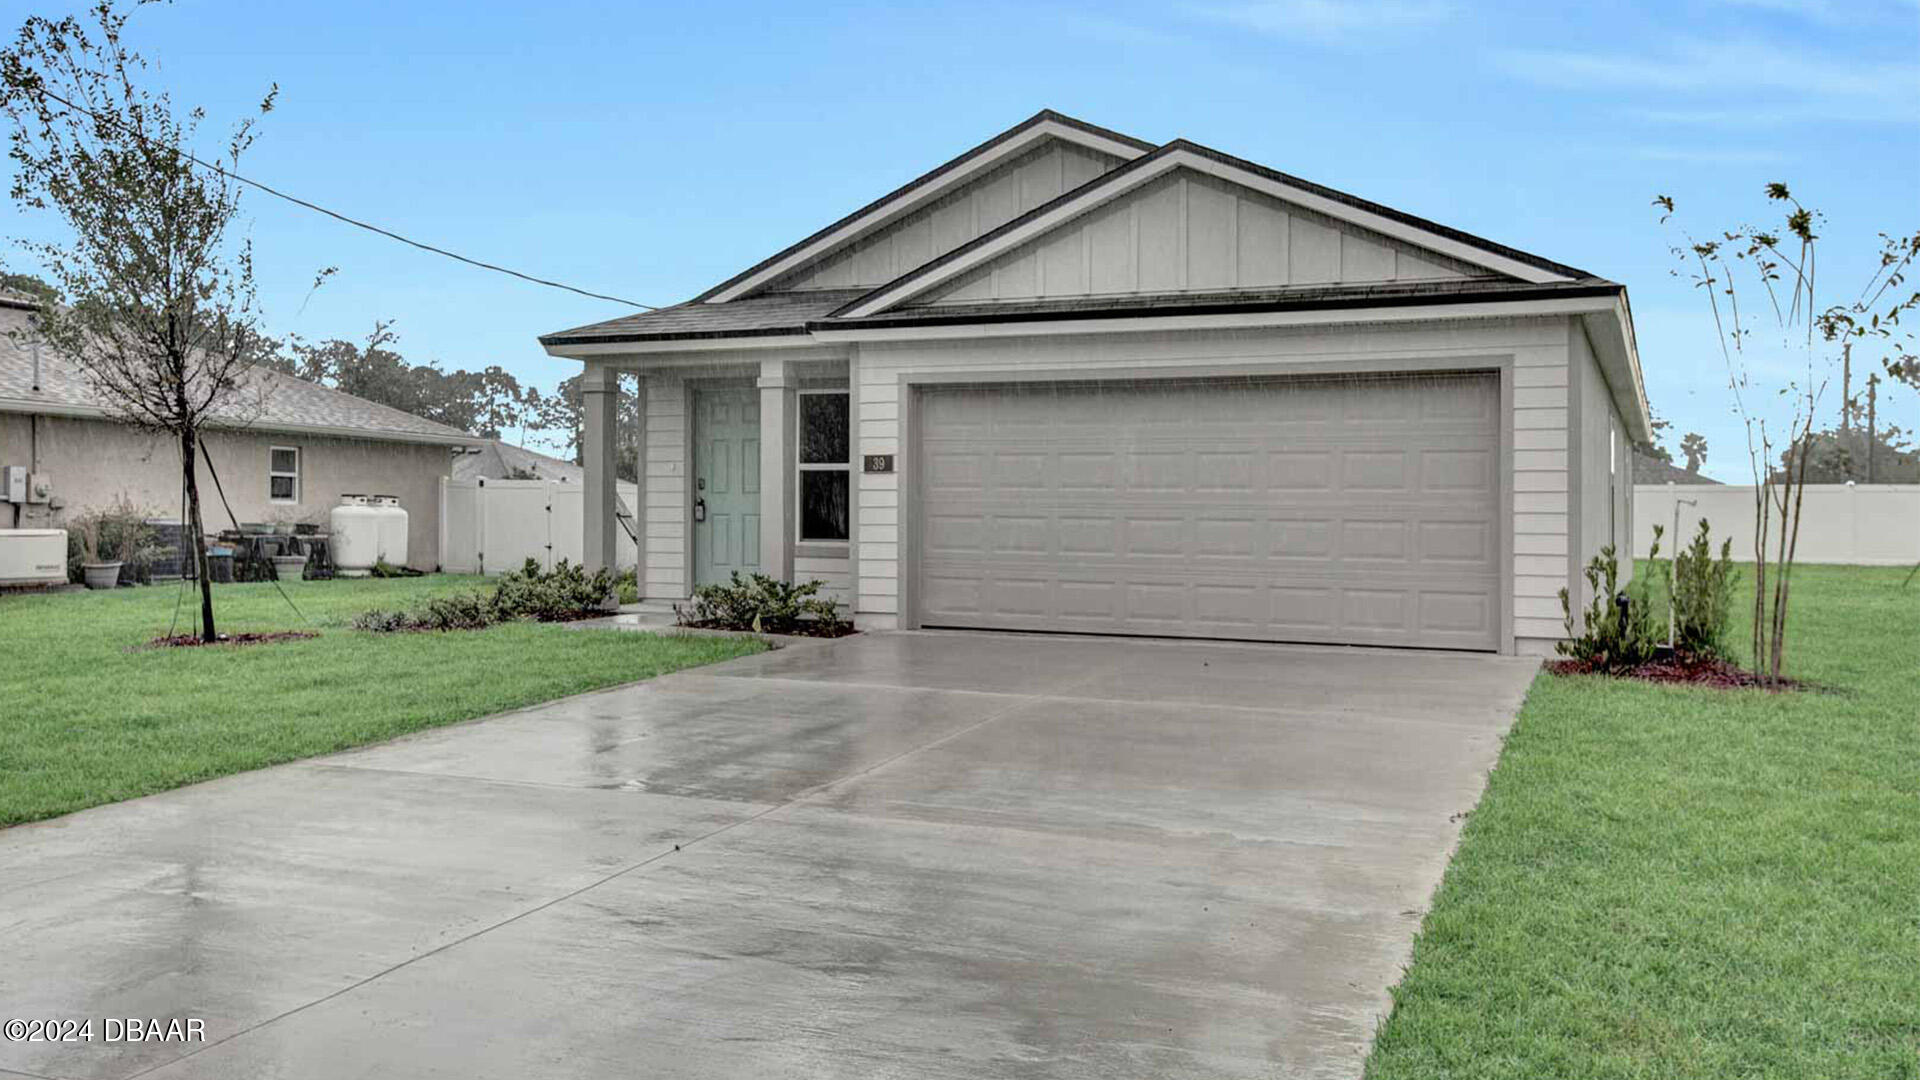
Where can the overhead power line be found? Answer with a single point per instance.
(336, 215)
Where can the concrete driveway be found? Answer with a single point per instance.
(899, 855)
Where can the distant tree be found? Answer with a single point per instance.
(28, 285)
(558, 419)
(160, 315)
(1656, 447)
(1838, 455)
(1694, 446)
(489, 402)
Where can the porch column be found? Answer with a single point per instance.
(777, 416)
(599, 400)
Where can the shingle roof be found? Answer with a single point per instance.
(273, 401)
(499, 459)
(1283, 298)
(752, 316)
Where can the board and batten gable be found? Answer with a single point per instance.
(1531, 353)
(1188, 232)
(979, 206)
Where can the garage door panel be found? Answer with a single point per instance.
(1354, 510)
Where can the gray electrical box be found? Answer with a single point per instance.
(13, 484)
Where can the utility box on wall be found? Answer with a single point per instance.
(13, 484)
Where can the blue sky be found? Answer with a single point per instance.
(650, 151)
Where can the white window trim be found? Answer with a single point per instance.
(802, 467)
(272, 473)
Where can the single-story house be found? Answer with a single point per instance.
(1074, 381)
(297, 449)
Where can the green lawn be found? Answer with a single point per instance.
(1666, 882)
(87, 717)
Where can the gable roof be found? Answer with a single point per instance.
(284, 403)
(1042, 125)
(499, 459)
(1464, 247)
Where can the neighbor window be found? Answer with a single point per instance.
(283, 474)
(826, 472)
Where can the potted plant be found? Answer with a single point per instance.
(98, 571)
(111, 538)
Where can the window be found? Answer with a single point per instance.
(826, 466)
(283, 474)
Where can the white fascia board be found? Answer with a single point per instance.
(1610, 332)
(932, 189)
(805, 346)
(1510, 309)
(1186, 159)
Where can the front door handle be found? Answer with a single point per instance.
(699, 509)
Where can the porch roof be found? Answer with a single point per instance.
(764, 315)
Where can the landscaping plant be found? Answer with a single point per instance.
(1781, 265)
(562, 594)
(1702, 590)
(1617, 631)
(763, 605)
(117, 532)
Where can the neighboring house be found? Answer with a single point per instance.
(497, 459)
(297, 449)
(1074, 381)
(1648, 469)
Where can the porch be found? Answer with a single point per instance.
(744, 464)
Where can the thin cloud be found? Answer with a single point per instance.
(1706, 155)
(1328, 20)
(1765, 80)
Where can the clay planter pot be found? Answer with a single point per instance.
(101, 575)
(289, 567)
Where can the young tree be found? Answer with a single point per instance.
(160, 313)
(1783, 266)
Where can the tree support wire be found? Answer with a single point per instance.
(215, 473)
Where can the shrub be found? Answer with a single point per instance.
(1619, 630)
(761, 604)
(381, 621)
(565, 592)
(117, 532)
(627, 587)
(1702, 591)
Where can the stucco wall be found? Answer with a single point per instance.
(91, 462)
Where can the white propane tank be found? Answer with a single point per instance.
(393, 529)
(355, 528)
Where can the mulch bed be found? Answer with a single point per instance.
(1683, 670)
(803, 629)
(187, 641)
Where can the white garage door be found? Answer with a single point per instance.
(1356, 509)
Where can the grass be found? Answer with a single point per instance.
(1681, 882)
(89, 717)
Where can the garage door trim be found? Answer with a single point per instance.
(913, 383)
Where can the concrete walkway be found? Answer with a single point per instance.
(903, 855)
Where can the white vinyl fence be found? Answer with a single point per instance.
(1855, 524)
(492, 526)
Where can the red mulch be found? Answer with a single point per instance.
(185, 641)
(1685, 670)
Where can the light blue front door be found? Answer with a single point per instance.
(726, 483)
